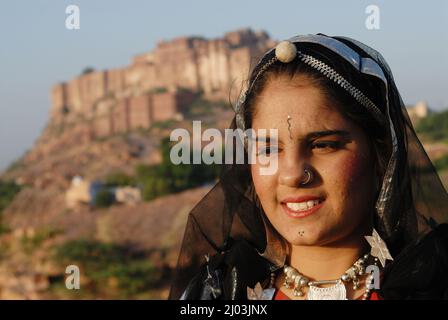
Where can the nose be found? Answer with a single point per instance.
(292, 171)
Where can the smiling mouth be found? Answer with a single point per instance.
(302, 209)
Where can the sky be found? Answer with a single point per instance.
(38, 51)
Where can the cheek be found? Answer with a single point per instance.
(348, 178)
(353, 168)
(264, 184)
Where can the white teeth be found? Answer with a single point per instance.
(310, 203)
(302, 206)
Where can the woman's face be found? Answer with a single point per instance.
(323, 141)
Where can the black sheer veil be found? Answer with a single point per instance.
(412, 201)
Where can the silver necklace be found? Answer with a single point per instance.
(296, 281)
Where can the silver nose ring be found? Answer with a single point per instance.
(308, 178)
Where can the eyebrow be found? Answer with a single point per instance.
(319, 134)
(310, 135)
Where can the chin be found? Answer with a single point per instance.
(301, 242)
(311, 237)
(305, 241)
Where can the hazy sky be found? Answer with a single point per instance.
(36, 50)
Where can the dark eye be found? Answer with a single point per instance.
(326, 145)
(267, 150)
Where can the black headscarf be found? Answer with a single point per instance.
(228, 226)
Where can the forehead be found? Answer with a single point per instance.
(301, 99)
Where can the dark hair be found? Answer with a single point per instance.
(377, 134)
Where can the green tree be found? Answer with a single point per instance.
(441, 163)
(8, 191)
(166, 177)
(101, 262)
(119, 179)
(434, 126)
(104, 198)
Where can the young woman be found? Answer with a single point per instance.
(354, 210)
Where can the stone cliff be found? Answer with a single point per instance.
(110, 121)
(157, 86)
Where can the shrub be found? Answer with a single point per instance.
(119, 179)
(130, 271)
(434, 126)
(441, 163)
(8, 191)
(104, 198)
(165, 124)
(166, 177)
(29, 244)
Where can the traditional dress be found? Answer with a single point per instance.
(229, 245)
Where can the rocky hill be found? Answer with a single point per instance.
(107, 122)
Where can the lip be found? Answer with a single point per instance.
(305, 213)
(301, 199)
